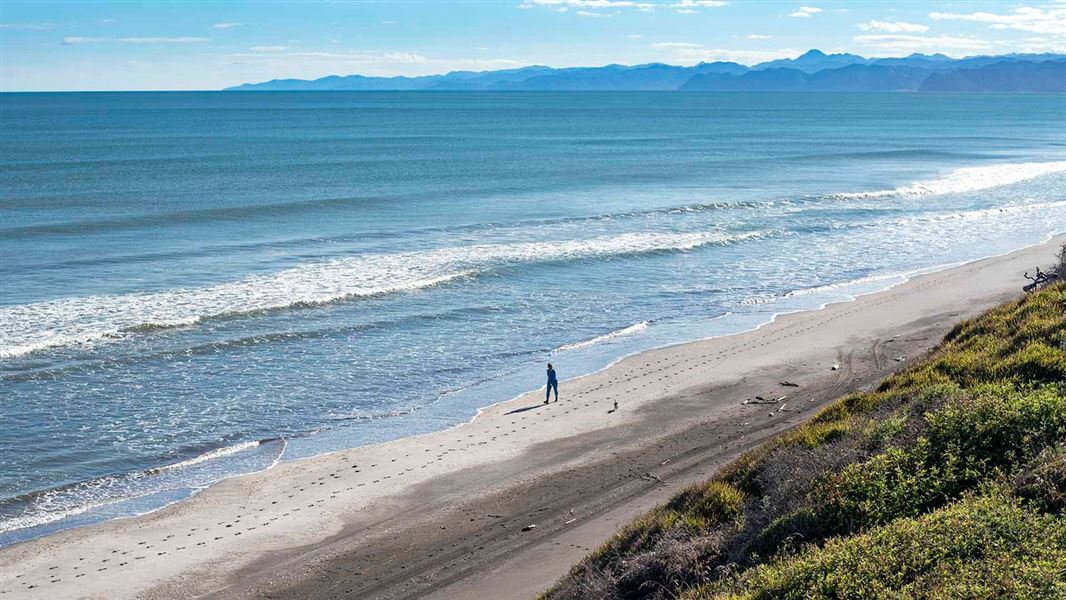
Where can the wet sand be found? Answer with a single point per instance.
(448, 515)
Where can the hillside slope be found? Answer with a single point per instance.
(1047, 76)
(948, 480)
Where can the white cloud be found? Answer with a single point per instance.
(1042, 44)
(893, 27)
(918, 43)
(690, 4)
(561, 5)
(314, 64)
(28, 26)
(1049, 21)
(635, 36)
(687, 11)
(805, 12)
(164, 40)
(226, 25)
(73, 40)
(689, 53)
(674, 45)
(269, 48)
(585, 13)
(365, 57)
(756, 36)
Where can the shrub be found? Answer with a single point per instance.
(1043, 483)
(981, 547)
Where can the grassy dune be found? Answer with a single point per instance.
(948, 480)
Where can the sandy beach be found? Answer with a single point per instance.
(500, 507)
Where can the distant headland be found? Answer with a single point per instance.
(813, 71)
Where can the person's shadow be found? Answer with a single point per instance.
(524, 409)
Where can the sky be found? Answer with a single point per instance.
(202, 45)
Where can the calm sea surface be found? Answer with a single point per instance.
(197, 285)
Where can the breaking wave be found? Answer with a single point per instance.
(969, 179)
(71, 321)
(605, 338)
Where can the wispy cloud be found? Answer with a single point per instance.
(74, 40)
(918, 43)
(164, 40)
(269, 48)
(28, 26)
(805, 12)
(1049, 20)
(564, 5)
(226, 25)
(635, 36)
(691, 4)
(1042, 44)
(314, 64)
(688, 52)
(588, 14)
(756, 36)
(893, 27)
(675, 45)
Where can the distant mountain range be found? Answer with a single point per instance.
(813, 71)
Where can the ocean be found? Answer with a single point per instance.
(199, 285)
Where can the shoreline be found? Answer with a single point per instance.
(193, 491)
(140, 543)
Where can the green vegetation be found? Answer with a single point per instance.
(984, 546)
(948, 480)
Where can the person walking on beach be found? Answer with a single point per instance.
(553, 383)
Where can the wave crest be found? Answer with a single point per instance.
(605, 338)
(969, 179)
(72, 321)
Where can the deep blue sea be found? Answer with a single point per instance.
(196, 285)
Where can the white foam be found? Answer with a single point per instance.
(206, 456)
(606, 337)
(968, 179)
(895, 278)
(61, 503)
(70, 321)
(56, 506)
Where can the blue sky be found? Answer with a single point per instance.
(84, 45)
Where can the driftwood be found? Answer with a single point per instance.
(1039, 280)
(651, 477)
(761, 400)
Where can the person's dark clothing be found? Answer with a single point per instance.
(553, 384)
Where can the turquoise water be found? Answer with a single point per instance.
(197, 285)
